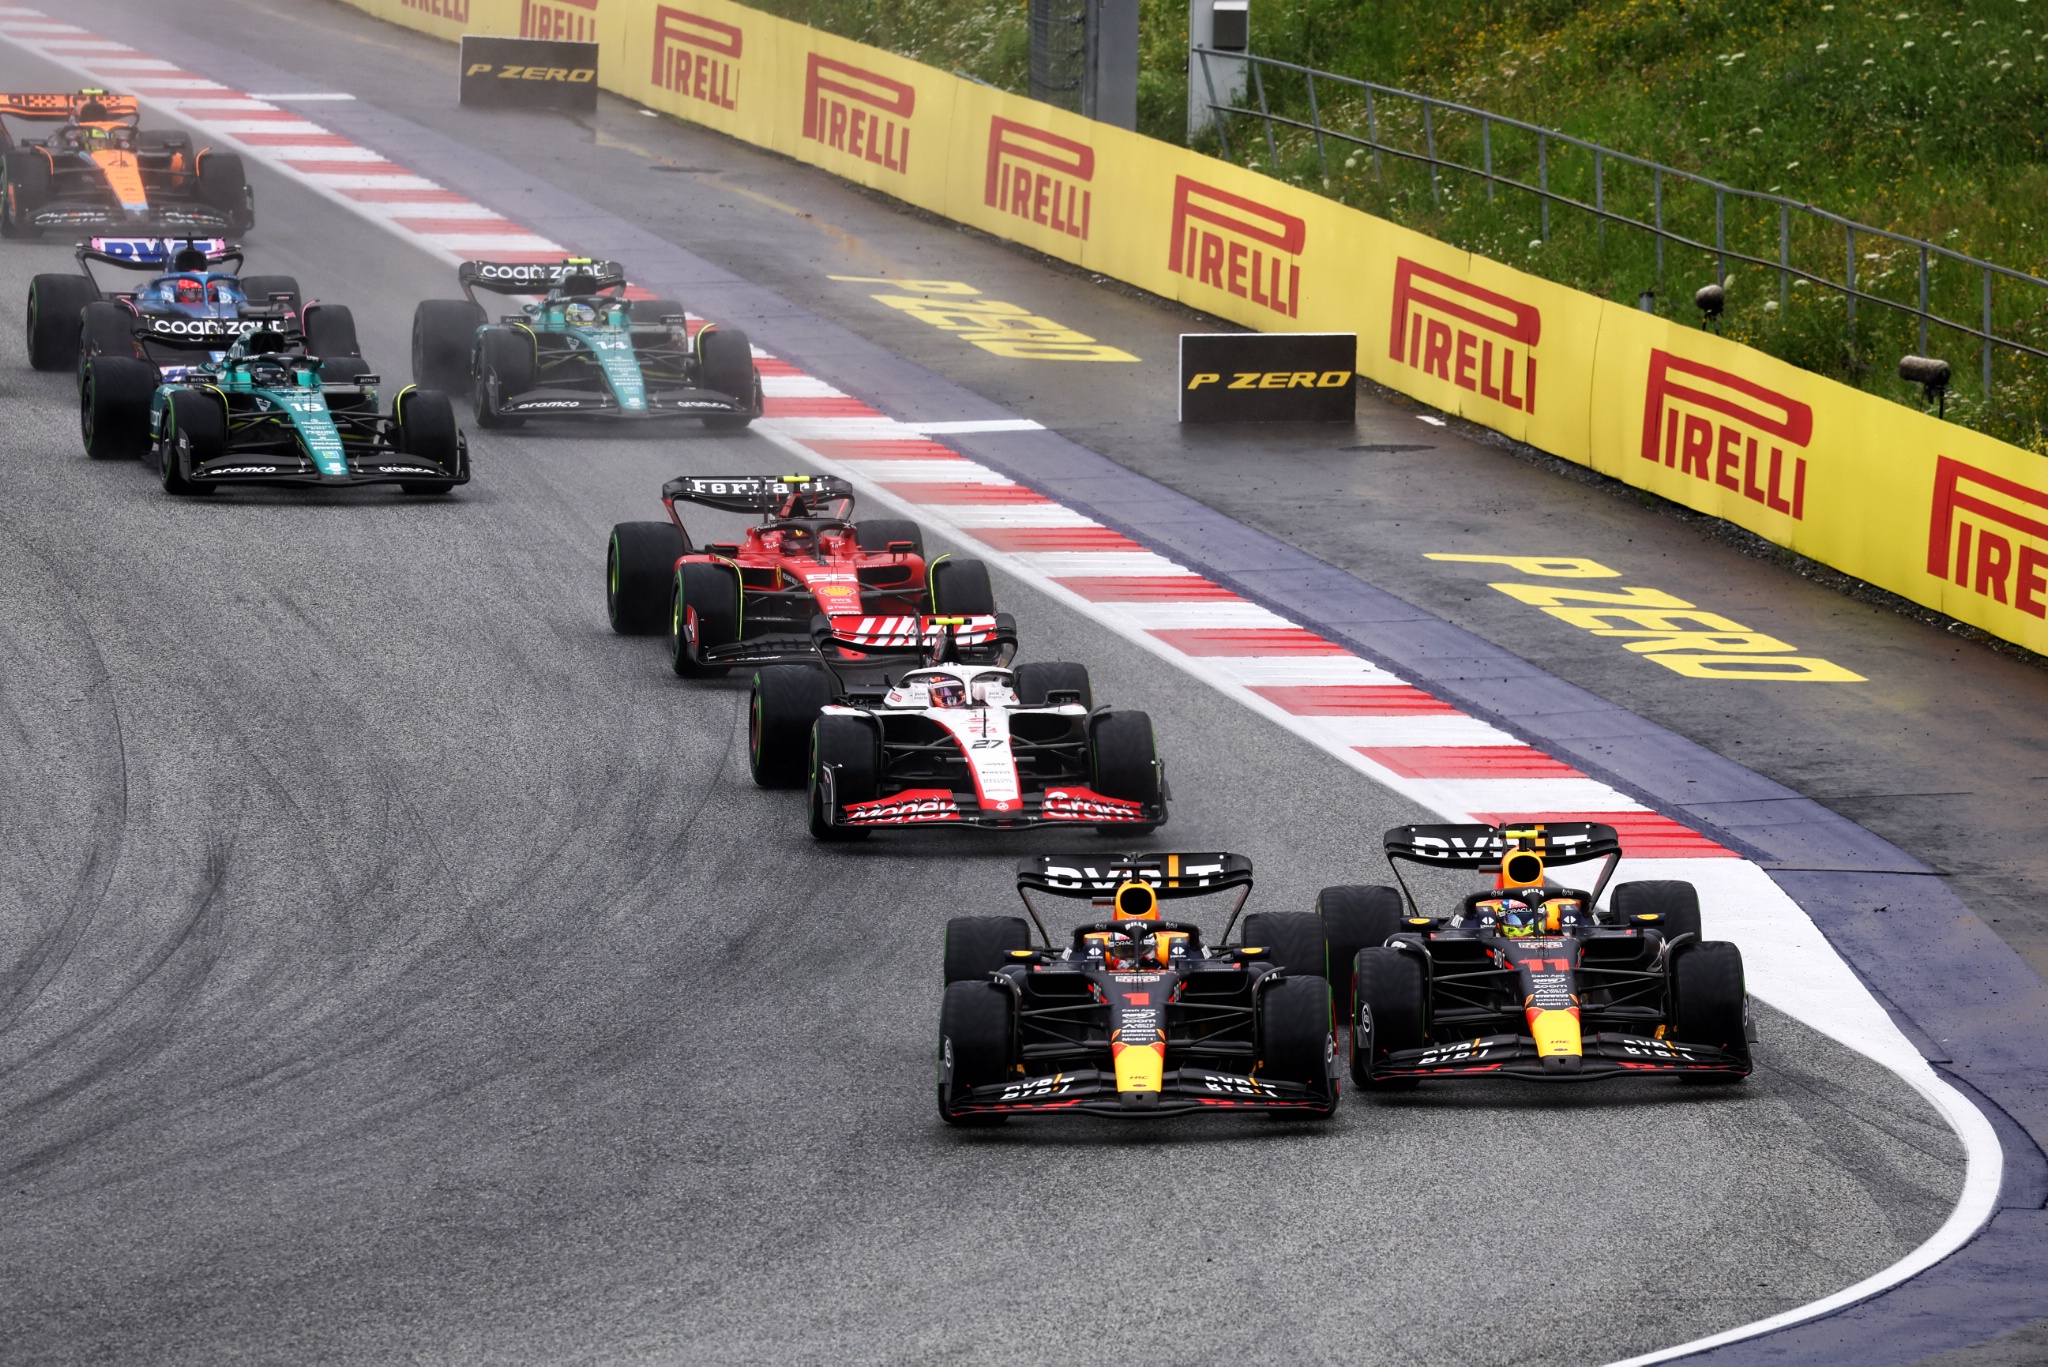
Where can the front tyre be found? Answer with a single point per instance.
(1710, 1001)
(852, 748)
(639, 572)
(704, 613)
(1392, 1012)
(1124, 763)
(725, 365)
(1293, 1026)
(505, 367)
(785, 703)
(977, 1045)
(195, 430)
(113, 407)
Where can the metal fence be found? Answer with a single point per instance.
(1058, 31)
(1385, 105)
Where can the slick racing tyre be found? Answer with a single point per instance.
(195, 430)
(877, 534)
(960, 588)
(224, 185)
(105, 329)
(1293, 1024)
(1355, 918)
(259, 290)
(704, 613)
(331, 335)
(426, 428)
(1392, 1012)
(1123, 762)
(786, 701)
(55, 306)
(1676, 904)
(639, 574)
(851, 744)
(443, 341)
(725, 365)
(977, 1045)
(1036, 682)
(26, 172)
(977, 946)
(1709, 1002)
(1291, 939)
(505, 367)
(113, 407)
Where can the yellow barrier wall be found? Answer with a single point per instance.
(1935, 513)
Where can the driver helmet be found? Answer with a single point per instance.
(1518, 920)
(580, 315)
(948, 693)
(187, 290)
(1127, 951)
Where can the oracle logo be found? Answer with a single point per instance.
(563, 20)
(1472, 337)
(1717, 426)
(697, 57)
(1237, 246)
(858, 112)
(2009, 565)
(1039, 176)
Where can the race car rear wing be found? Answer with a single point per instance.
(156, 253)
(1486, 849)
(769, 494)
(1096, 877)
(929, 640)
(70, 107)
(537, 277)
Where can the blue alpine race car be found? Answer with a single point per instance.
(582, 350)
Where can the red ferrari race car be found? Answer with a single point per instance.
(1524, 979)
(1131, 1014)
(99, 172)
(922, 721)
(752, 601)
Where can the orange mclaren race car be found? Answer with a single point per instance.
(1131, 1015)
(1525, 979)
(101, 173)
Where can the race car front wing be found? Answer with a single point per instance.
(1093, 1091)
(1604, 1055)
(1059, 805)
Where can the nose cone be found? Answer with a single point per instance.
(1139, 1101)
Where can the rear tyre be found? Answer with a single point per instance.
(651, 311)
(1294, 1036)
(1124, 762)
(225, 185)
(331, 335)
(639, 575)
(258, 289)
(55, 307)
(960, 588)
(876, 533)
(785, 704)
(1037, 681)
(443, 342)
(505, 366)
(27, 174)
(977, 946)
(704, 612)
(106, 329)
(1392, 1012)
(1709, 1003)
(853, 745)
(1291, 939)
(1355, 918)
(113, 407)
(1677, 903)
(195, 430)
(977, 1045)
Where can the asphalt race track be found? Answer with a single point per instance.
(397, 964)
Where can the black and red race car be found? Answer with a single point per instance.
(923, 721)
(1525, 979)
(752, 601)
(1130, 1014)
(100, 172)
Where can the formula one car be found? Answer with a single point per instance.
(583, 351)
(751, 601)
(1524, 980)
(952, 737)
(101, 172)
(264, 413)
(1131, 1015)
(187, 302)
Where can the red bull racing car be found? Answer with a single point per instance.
(101, 172)
(1129, 1014)
(1523, 979)
(922, 721)
(752, 601)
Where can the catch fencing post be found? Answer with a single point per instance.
(1543, 179)
(1486, 141)
(1785, 255)
(1272, 152)
(1429, 142)
(1923, 298)
(1316, 120)
(1987, 335)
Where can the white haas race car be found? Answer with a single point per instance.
(923, 721)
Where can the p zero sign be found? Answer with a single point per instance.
(1268, 377)
(530, 73)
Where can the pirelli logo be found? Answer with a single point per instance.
(1725, 430)
(1235, 245)
(858, 112)
(569, 20)
(697, 57)
(1040, 177)
(439, 9)
(1989, 534)
(1468, 336)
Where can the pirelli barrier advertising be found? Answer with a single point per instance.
(1932, 512)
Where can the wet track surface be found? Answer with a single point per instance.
(395, 963)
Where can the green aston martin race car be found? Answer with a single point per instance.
(584, 350)
(263, 412)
